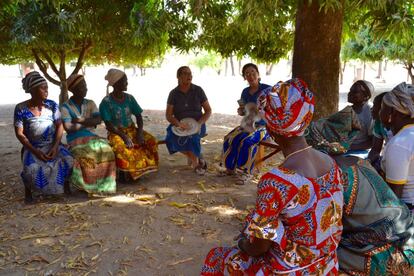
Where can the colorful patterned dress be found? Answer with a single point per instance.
(378, 235)
(239, 147)
(94, 169)
(39, 176)
(138, 160)
(302, 216)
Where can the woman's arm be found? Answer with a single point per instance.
(140, 129)
(111, 128)
(169, 115)
(207, 113)
(88, 122)
(375, 151)
(26, 143)
(256, 248)
(397, 189)
(58, 138)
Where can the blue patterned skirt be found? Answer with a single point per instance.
(240, 148)
(46, 177)
(190, 143)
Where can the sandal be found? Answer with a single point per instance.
(202, 167)
(243, 178)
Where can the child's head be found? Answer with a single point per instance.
(376, 107)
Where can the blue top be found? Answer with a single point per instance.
(248, 98)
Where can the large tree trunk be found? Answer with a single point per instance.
(269, 69)
(232, 65)
(379, 75)
(316, 57)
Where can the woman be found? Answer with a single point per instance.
(187, 100)
(94, 169)
(397, 113)
(380, 134)
(378, 234)
(135, 150)
(47, 165)
(359, 94)
(239, 147)
(296, 225)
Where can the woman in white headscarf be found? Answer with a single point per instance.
(135, 150)
(397, 113)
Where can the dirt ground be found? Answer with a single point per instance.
(163, 224)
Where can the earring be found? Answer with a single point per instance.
(389, 119)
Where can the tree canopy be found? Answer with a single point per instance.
(129, 32)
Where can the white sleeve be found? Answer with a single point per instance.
(397, 163)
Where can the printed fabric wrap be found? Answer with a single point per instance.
(287, 107)
(138, 160)
(301, 216)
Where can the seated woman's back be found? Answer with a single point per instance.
(309, 163)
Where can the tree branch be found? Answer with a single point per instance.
(43, 68)
(79, 63)
(50, 61)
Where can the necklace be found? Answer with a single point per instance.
(295, 152)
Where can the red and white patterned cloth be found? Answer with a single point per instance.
(302, 216)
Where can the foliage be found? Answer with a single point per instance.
(208, 59)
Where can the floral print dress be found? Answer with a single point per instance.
(300, 215)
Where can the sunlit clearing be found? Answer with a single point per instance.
(223, 210)
(164, 190)
(120, 199)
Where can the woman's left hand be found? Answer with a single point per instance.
(140, 138)
(52, 152)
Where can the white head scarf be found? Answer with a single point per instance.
(401, 98)
(113, 76)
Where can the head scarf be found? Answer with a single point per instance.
(334, 135)
(32, 80)
(113, 76)
(287, 107)
(401, 98)
(73, 80)
(367, 87)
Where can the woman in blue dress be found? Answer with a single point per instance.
(47, 164)
(240, 147)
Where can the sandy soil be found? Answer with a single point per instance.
(164, 224)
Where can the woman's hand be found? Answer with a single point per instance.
(240, 111)
(78, 120)
(52, 152)
(128, 141)
(140, 138)
(183, 126)
(40, 155)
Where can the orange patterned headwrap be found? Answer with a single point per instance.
(287, 107)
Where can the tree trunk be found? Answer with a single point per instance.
(385, 64)
(365, 67)
(226, 67)
(240, 67)
(232, 65)
(316, 57)
(379, 75)
(410, 68)
(341, 73)
(269, 69)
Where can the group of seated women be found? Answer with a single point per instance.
(92, 163)
(324, 210)
(321, 211)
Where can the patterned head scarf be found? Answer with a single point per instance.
(287, 107)
(366, 87)
(401, 98)
(334, 135)
(32, 80)
(73, 80)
